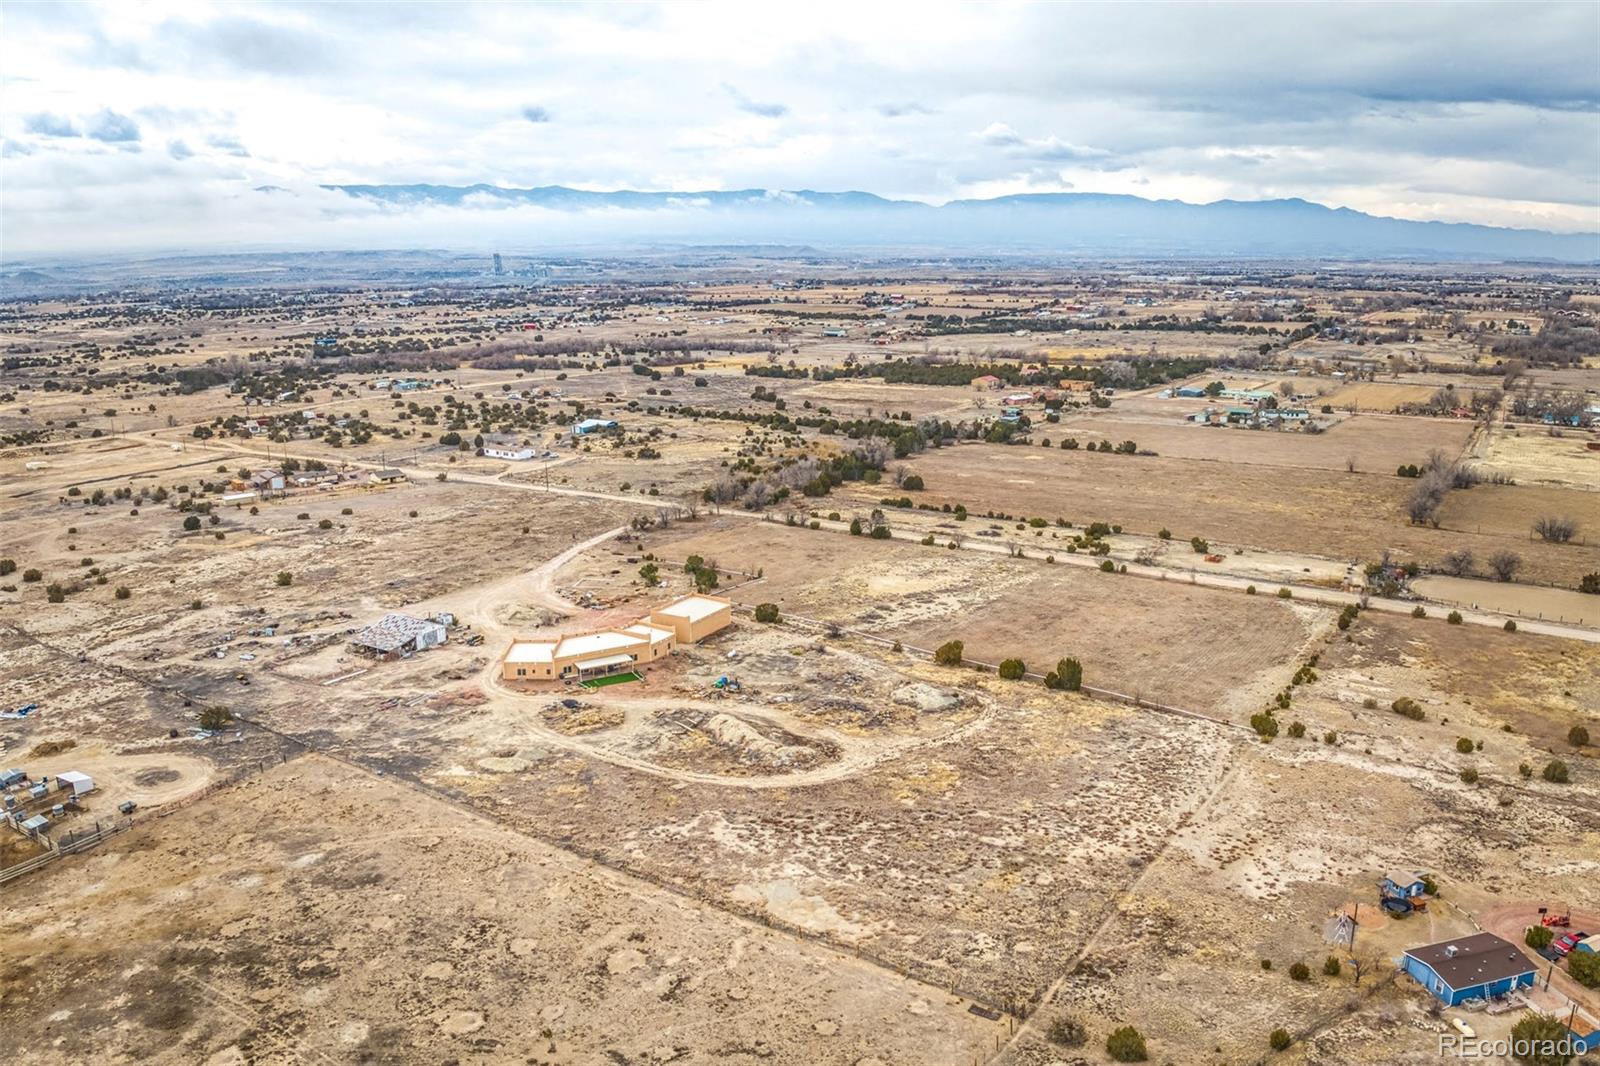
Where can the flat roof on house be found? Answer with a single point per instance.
(694, 608)
(654, 634)
(1469, 961)
(531, 651)
(594, 643)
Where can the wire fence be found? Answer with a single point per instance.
(80, 840)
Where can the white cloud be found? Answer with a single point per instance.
(1431, 112)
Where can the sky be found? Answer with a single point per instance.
(157, 126)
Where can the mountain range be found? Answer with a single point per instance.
(1086, 223)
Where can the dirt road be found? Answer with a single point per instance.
(1305, 593)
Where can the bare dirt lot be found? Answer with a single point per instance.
(1135, 636)
(302, 932)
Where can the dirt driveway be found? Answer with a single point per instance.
(1510, 922)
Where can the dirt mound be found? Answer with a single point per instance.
(925, 698)
(584, 718)
(51, 747)
(725, 742)
(521, 616)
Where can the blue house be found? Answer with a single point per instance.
(1405, 884)
(593, 425)
(1480, 966)
(1189, 392)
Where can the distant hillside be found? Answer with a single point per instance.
(1089, 223)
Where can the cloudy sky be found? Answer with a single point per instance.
(154, 125)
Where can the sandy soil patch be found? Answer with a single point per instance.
(268, 966)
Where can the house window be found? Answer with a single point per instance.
(522, 672)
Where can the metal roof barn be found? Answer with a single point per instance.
(395, 635)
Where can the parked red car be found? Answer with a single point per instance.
(1568, 942)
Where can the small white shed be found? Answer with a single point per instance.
(75, 782)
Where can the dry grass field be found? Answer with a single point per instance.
(1374, 444)
(1380, 396)
(843, 852)
(1332, 513)
(1530, 456)
(1134, 636)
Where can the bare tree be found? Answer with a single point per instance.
(1556, 529)
(1504, 565)
(1457, 563)
(724, 490)
(1423, 506)
(1350, 464)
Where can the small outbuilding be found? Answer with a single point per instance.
(1404, 883)
(388, 476)
(265, 481)
(693, 618)
(75, 782)
(593, 425)
(1480, 966)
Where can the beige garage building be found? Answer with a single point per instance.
(602, 652)
(693, 618)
